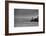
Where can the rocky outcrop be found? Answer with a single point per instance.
(34, 20)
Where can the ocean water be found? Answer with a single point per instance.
(24, 22)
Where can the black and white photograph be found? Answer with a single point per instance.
(26, 17)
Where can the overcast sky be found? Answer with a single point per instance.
(25, 12)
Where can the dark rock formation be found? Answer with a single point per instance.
(34, 20)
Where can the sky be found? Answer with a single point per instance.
(25, 13)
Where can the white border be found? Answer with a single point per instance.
(24, 29)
